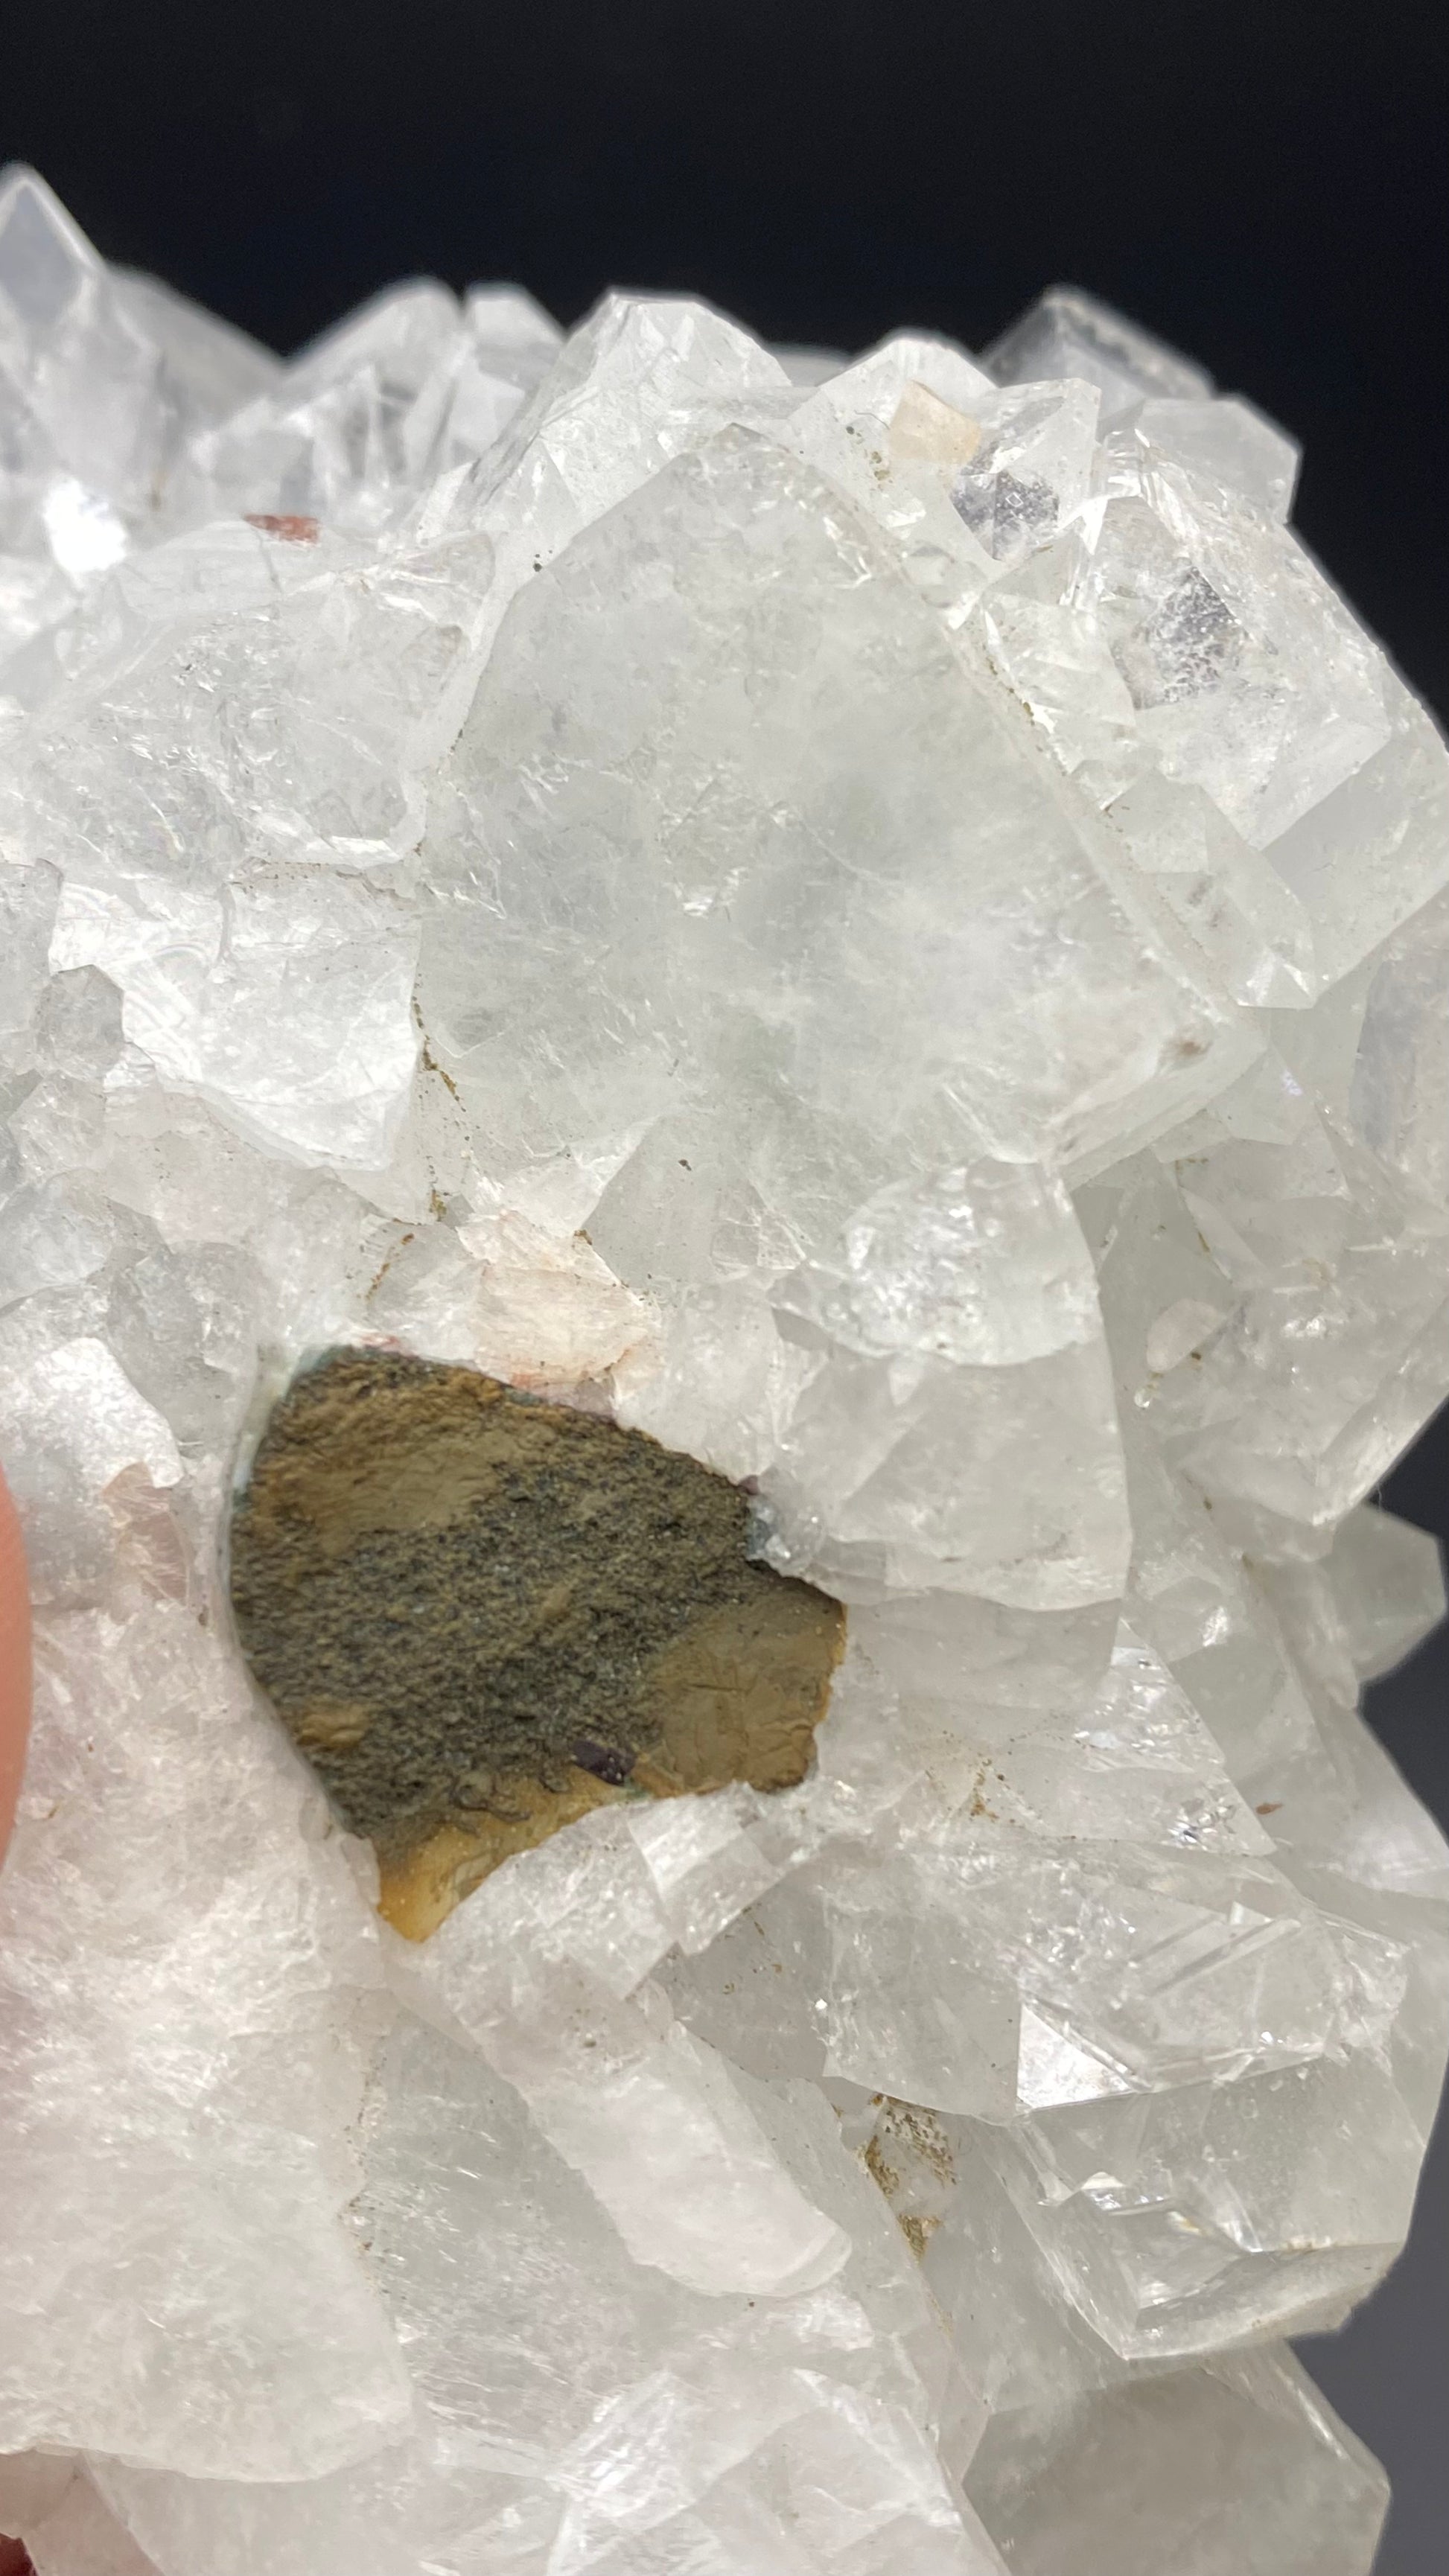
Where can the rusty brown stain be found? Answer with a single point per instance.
(292, 526)
(480, 1614)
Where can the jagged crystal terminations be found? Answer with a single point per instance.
(882, 922)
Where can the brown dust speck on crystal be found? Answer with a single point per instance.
(480, 1614)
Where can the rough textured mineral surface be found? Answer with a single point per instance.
(882, 925)
(480, 1615)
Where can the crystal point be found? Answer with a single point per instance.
(874, 931)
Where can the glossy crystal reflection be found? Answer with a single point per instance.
(883, 924)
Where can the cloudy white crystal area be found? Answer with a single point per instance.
(883, 922)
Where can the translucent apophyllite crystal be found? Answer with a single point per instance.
(884, 926)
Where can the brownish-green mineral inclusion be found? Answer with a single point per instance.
(466, 1603)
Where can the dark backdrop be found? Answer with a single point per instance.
(1256, 180)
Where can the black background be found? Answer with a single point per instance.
(1259, 181)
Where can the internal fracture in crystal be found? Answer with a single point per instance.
(857, 949)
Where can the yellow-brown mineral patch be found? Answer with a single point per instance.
(479, 1614)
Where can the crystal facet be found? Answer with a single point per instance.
(880, 923)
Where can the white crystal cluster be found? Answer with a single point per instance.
(884, 922)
